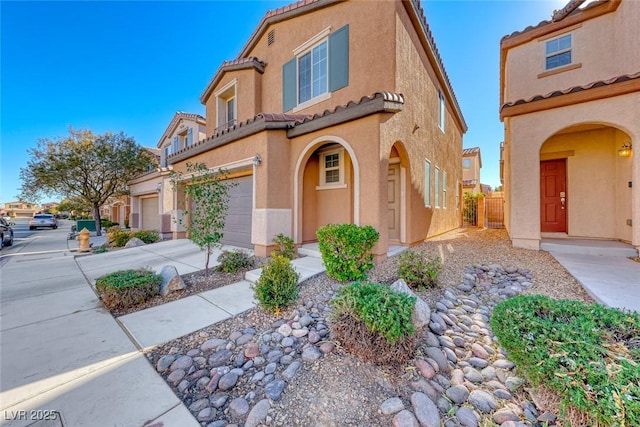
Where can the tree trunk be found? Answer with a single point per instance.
(206, 261)
(96, 216)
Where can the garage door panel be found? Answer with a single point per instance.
(237, 229)
(149, 215)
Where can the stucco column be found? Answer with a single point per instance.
(373, 206)
(481, 211)
(525, 185)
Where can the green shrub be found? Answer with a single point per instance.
(346, 250)
(118, 238)
(277, 287)
(127, 288)
(588, 354)
(105, 223)
(101, 249)
(284, 246)
(234, 261)
(147, 236)
(418, 270)
(383, 310)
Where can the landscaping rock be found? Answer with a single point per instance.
(258, 414)
(482, 401)
(421, 311)
(238, 407)
(134, 242)
(171, 280)
(405, 419)
(392, 406)
(425, 410)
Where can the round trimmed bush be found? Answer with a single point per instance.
(277, 287)
(127, 288)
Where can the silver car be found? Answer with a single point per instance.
(43, 220)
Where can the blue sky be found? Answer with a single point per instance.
(129, 66)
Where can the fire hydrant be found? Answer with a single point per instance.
(83, 238)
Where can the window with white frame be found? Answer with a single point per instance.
(227, 106)
(176, 144)
(437, 187)
(166, 152)
(444, 189)
(319, 66)
(331, 168)
(466, 163)
(312, 73)
(558, 52)
(442, 111)
(427, 183)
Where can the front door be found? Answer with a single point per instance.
(553, 196)
(393, 202)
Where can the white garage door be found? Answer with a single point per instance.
(237, 229)
(149, 215)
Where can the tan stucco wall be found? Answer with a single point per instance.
(375, 64)
(415, 79)
(599, 177)
(606, 46)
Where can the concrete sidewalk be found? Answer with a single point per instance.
(610, 280)
(61, 351)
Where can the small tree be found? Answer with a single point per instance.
(208, 193)
(83, 166)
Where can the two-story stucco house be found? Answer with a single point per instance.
(152, 195)
(570, 102)
(471, 165)
(335, 112)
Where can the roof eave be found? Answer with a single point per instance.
(257, 65)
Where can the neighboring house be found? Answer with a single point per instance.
(152, 195)
(45, 207)
(335, 112)
(570, 97)
(471, 165)
(117, 209)
(20, 209)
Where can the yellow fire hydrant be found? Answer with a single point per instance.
(83, 238)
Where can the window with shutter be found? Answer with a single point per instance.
(320, 66)
(175, 144)
(189, 137)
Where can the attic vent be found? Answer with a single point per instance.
(271, 37)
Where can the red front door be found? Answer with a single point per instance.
(553, 196)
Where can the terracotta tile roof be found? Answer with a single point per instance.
(469, 182)
(287, 8)
(574, 89)
(179, 115)
(391, 102)
(558, 15)
(235, 64)
(470, 151)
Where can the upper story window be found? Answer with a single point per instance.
(227, 106)
(319, 67)
(442, 110)
(166, 152)
(466, 164)
(558, 52)
(313, 73)
(186, 138)
(176, 144)
(332, 168)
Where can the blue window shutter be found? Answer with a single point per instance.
(189, 137)
(339, 59)
(175, 144)
(289, 96)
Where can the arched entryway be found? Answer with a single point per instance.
(396, 193)
(326, 187)
(584, 183)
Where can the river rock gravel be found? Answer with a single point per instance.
(257, 369)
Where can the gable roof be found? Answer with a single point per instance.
(470, 152)
(302, 7)
(237, 64)
(179, 115)
(570, 14)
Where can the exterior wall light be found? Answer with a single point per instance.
(625, 151)
(257, 160)
(159, 188)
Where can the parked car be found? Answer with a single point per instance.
(6, 233)
(43, 220)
